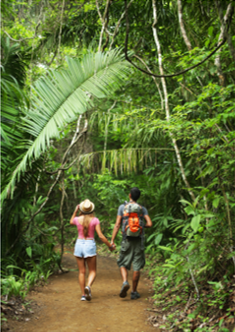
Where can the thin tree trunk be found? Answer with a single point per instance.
(36, 189)
(61, 23)
(182, 28)
(107, 125)
(188, 44)
(117, 25)
(167, 110)
(222, 21)
(103, 21)
(221, 37)
(62, 219)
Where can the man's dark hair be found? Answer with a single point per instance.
(135, 193)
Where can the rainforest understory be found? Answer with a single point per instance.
(97, 97)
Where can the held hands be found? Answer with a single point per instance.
(113, 247)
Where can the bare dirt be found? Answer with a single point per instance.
(57, 306)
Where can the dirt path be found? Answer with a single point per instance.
(61, 309)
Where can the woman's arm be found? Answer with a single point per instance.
(74, 214)
(103, 238)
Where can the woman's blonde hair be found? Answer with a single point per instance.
(86, 221)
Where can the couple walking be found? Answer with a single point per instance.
(133, 218)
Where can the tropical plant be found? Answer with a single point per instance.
(172, 136)
(58, 98)
(13, 74)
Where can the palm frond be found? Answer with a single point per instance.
(121, 161)
(135, 122)
(13, 60)
(12, 99)
(63, 94)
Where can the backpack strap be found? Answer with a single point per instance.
(141, 217)
(124, 223)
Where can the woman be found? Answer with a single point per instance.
(85, 247)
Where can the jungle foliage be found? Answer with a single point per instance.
(92, 105)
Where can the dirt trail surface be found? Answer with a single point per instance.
(61, 309)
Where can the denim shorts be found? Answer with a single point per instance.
(85, 248)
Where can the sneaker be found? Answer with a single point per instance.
(135, 295)
(125, 287)
(88, 293)
(83, 298)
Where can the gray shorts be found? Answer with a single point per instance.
(131, 252)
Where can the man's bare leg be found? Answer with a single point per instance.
(125, 284)
(124, 273)
(135, 280)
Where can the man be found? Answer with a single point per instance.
(132, 248)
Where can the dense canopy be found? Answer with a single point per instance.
(98, 96)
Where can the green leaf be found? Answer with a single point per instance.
(158, 239)
(150, 237)
(29, 251)
(210, 31)
(165, 248)
(183, 201)
(207, 42)
(165, 222)
(195, 222)
(189, 210)
(216, 202)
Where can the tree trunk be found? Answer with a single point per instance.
(167, 110)
(227, 34)
(188, 44)
(221, 37)
(182, 28)
(103, 21)
(62, 219)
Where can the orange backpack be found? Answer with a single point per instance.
(133, 222)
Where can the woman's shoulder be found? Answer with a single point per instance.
(79, 220)
(95, 221)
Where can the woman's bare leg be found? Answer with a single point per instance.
(82, 273)
(91, 263)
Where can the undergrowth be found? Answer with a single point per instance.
(177, 306)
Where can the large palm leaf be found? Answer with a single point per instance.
(13, 74)
(60, 96)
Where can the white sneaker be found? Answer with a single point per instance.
(88, 293)
(83, 298)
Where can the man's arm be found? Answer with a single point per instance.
(148, 221)
(116, 228)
